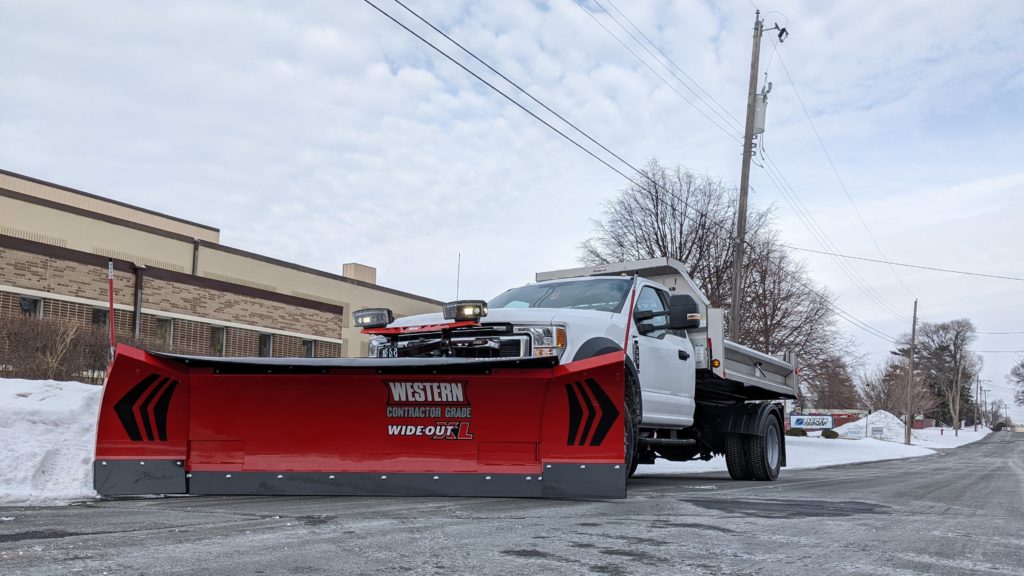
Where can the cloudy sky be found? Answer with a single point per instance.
(323, 133)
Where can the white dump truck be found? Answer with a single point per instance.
(689, 393)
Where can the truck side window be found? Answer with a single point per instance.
(649, 299)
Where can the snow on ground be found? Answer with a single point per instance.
(818, 452)
(881, 425)
(47, 440)
(48, 435)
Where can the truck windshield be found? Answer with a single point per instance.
(606, 295)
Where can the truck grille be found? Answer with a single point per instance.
(488, 341)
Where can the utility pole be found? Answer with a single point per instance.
(741, 215)
(977, 399)
(956, 399)
(910, 378)
(984, 411)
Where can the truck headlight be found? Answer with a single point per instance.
(463, 310)
(373, 317)
(544, 340)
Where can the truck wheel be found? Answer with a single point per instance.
(631, 421)
(736, 458)
(765, 451)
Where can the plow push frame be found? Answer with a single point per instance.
(512, 427)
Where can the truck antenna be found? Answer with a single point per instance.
(458, 276)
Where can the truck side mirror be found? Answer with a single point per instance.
(683, 312)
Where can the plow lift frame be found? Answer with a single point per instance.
(506, 427)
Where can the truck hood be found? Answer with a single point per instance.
(510, 315)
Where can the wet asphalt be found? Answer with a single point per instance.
(960, 511)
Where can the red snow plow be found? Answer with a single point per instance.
(517, 427)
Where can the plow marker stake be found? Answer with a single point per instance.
(523, 427)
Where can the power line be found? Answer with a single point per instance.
(920, 267)
(507, 79)
(997, 333)
(731, 120)
(809, 222)
(840, 312)
(732, 135)
(835, 170)
(506, 96)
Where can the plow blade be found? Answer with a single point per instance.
(523, 427)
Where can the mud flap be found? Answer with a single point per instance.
(525, 427)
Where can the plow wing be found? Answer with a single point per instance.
(525, 427)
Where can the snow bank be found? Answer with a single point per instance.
(818, 452)
(47, 440)
(881, 425)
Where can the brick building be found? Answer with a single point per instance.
(176, 287)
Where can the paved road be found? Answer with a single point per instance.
(957, 512)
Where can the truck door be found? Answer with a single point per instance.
(665, 361)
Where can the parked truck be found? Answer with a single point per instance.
(690, 393)
(559, 388)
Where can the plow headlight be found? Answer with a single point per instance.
(461, 310)
(373, 317)
(544, 340)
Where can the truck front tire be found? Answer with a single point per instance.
(631, 422)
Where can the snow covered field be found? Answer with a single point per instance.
(47, 439)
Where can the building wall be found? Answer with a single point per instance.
(71, 285)
(57, 216)
(76, 198)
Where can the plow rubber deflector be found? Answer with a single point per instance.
(523, 427)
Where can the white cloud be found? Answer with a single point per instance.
(322, 133)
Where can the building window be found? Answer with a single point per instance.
(31, 307)
(164, 333)
(218, 339)
(266, 345)
(100, 317)
(309, 348)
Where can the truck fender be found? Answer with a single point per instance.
(750, 419)
(595, 347)
(601, 345)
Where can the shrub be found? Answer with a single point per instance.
(830, 434)
(51, 349)
(796, 432)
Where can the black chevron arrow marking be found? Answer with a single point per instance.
(609, 413)
(591, 413)
(161, 409)
(597, 405)
(125, 408)
(575, 414)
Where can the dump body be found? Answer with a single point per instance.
(507, 427)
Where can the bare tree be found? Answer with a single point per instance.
(679, 215)
(1016, 378)
(832, 386)
(946, 363)
(690, 218)
(885, 388)
(996, 412)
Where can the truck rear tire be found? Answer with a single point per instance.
(736, 457)
(765, 451)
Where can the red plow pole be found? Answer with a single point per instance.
(524, 427)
